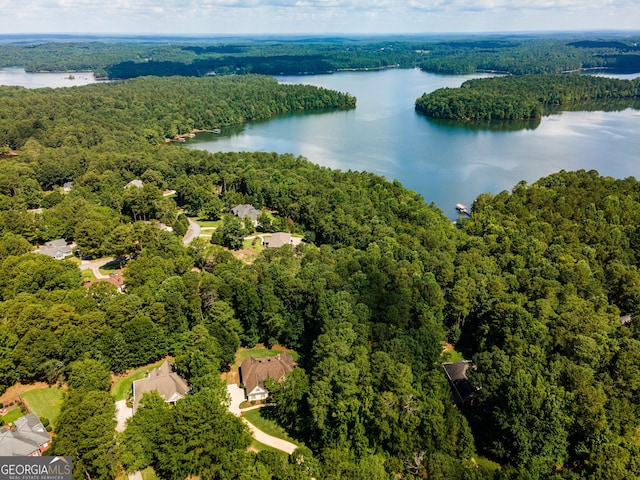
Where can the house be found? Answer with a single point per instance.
(57, 249)
(134, 183)
(457, 374)
(67, 186)
(163, 380)
(278, 240)
(625, 319)
(246, 210)
(27, 438)
(254, 371)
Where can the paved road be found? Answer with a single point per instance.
(237, 396)
(192, 232)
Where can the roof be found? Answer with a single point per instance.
(278, 239)
(134, 183)
(246, 210)
(163, 380)
(457, 375)
(26, 438)
(56, 248)
(254, 371)
(625, 319)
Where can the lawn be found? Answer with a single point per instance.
(451, 356)
(123, 386)
(261, 446)
(12, 415)
(254, 244)
(260, 351)
(486, 464)
(87, 275)
(267, 426)
(45, 402)
(208, 223)
(110, 267)
(149, 474)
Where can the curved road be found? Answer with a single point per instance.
(236, 394)
(192, 232)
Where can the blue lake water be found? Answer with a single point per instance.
(446, 162)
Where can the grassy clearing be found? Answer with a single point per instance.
(109, 268)
(208, 223)
(451, 356)
(123, 386)
(45, 402)
(256, 445)
(267, 426)
(149, 474)
(260, 351)
(254, 244)
(486, 464)
(87, 275)
(12, 415)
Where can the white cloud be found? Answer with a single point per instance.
(315, 16)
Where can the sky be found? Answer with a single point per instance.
(231, 17)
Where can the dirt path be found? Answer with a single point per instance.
(13, 392)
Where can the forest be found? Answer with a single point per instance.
(523, 97)
(514, 54)
(531, 287)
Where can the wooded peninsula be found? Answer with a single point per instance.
(523, 97)
(539, 288)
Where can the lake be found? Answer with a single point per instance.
(18, 77)
(446, 162)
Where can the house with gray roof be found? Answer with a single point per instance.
(26, 438)
(57, 249)
(254, 372)
(278, 240)
(457, 374)
(169, 385)
(246, 210)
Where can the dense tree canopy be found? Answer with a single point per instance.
(524, 97)
(531, 287)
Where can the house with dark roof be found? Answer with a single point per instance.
(169, 385)
(57, 249)
(254, 372)
(26, 438)
(457, 375)
(246, 210)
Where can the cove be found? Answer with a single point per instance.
(18, 77)
(446, 162)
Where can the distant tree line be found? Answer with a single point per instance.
(513, 54)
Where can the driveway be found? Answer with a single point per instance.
(192, 232)
(94, 266)
(122, 414)
(237, 397)
(236, 394)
